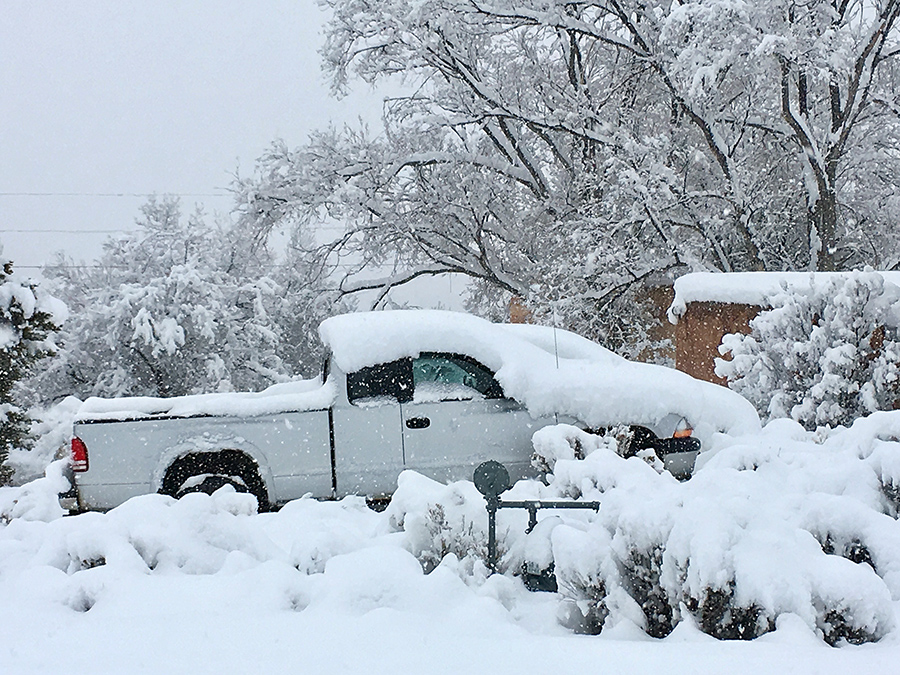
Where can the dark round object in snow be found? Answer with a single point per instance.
(491, 478)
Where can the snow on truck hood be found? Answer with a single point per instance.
(586, 381)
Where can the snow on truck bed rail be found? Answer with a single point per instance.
(549, 371)
(282, 397)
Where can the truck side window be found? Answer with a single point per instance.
(391, 380)
(441, 377)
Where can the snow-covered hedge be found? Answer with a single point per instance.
(770, 525)
(825, 354)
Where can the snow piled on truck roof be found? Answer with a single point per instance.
(548, 370)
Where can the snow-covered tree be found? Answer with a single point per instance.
(565, 152)
(29, 320)
(822, 357)
(180, 306)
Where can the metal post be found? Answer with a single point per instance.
(492, 505)
(492, 479)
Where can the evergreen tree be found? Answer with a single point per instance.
(29, 319)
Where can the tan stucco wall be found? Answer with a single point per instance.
(699, 332)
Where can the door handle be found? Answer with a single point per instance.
(418, 423)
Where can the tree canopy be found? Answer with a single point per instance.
(182, 306)
(567, 151)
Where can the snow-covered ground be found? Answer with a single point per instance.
(205, 584)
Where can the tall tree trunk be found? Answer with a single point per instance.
(822, 219)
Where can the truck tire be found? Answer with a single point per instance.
(209, 484)
(208, 471)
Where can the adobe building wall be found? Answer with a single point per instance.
(518, 311)
(699, 333)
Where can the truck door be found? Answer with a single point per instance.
(458, 417)
(368, 443)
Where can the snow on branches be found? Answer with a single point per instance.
(182, 306)
(566, 153)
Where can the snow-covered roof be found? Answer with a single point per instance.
(747, 288)
(549, 370)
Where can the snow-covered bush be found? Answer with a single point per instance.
(52, 432)
(562, 441)
(37, 500)
(773, 525)
(440, 519)
(825, 356)
(582, 564)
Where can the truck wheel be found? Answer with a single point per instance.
(208, 471)
(210, 484)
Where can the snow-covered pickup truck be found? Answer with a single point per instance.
(437, 392)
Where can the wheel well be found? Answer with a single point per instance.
(221, 462)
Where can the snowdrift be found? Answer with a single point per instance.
(777, 531)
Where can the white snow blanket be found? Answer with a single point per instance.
(205, 584)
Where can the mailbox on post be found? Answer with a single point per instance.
(492, 479)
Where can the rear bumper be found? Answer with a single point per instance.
(68, 500)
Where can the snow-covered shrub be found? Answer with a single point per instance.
(37, 500)
(771, 526)
(562, 441)
(582, 566)
(718, 614)
(52, 431)
(29, 320)
(641, 577)
(441, 519)
(826, 356)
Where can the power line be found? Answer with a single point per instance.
(65, 231)
(113, 194)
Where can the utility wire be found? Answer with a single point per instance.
(65, 231)
(113, 194)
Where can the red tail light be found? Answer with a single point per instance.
(79, 455)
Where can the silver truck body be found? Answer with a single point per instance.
(417, 389)
(348, 448)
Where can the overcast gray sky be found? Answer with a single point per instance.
(122, 97)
